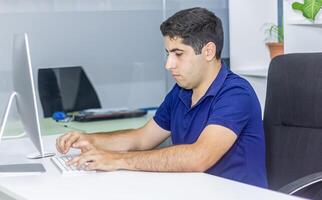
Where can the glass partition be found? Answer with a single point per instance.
(117, 42)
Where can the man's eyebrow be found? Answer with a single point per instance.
(173, 50)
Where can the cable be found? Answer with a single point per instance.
(71, 127)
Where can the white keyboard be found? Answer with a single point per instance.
(60, 162)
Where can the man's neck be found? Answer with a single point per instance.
(210, 76)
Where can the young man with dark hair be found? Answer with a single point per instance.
(212, 115)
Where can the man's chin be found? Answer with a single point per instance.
(180, 84)
(183, 86)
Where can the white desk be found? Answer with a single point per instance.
(116, 185)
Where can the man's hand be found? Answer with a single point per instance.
(97, 159)
(75, 140)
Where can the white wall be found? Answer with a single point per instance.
(246, 20)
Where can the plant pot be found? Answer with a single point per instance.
(275, 49)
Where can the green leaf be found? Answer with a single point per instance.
(309, 9)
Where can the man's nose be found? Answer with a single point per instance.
(170, 64)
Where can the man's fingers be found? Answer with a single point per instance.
(83, 145)
(85, 160)
(58, 146)
(94, 159)
(91, 166)
(63, 142)
(70, 141)
(80, 144)
(83, 157)
(74, 160)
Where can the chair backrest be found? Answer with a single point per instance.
(293, 117)
(65, 89)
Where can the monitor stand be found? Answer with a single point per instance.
(4, 122)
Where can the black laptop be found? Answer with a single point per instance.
(101, 114)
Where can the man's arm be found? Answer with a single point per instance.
(146, 137)
(212, 144)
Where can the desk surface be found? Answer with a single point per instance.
(118, 184)
(112, 185)
(51, 127)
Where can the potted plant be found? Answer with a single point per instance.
(274, 39)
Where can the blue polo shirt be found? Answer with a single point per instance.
(230, 101)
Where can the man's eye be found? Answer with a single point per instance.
(178, 54)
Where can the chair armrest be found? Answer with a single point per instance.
(301, 183)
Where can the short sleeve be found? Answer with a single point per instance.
(163, 115)
(232, 110)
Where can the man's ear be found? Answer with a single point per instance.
(209, 51)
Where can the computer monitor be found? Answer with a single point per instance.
(25, 95)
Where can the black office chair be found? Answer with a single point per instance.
(65, 89)
(293, 124)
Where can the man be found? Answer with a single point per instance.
(212, 115)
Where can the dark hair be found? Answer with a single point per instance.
(197, 27)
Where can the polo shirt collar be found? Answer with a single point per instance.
(185, 95)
